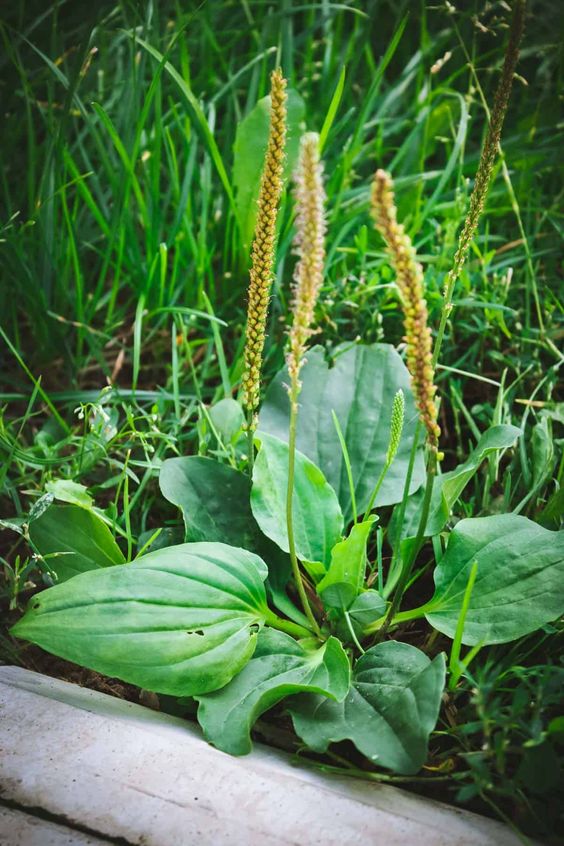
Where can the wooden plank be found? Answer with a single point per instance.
(127, 772)
(22, 829)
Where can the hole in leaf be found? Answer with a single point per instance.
(254, 628)
(196, 632)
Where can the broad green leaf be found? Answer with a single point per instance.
(250, 146)
(360, 389)
(367, 607)
(279, 572)
(215, 503)
(181, 620)
(75, 539)
(214, 499)
(345, 578)
(318, 521)
(448, 487)
(279, 667)
(228, 418)
(279, 598)
(67, 491)
(453, 483)
(389, 712)
(518, 587)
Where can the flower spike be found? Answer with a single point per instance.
(410, 283)
(310, 248)
(263, 250)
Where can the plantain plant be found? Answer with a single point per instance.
(279, 590)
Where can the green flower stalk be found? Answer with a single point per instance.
(263, 251)
(485, 166)
(410, 283)
(396, 428)
(310, 248)
(309, 244)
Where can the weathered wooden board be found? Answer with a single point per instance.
(138, 777)
(21, 829)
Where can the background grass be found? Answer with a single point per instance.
(123, 274)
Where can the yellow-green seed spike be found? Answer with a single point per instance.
(309, 244)
(490, 148)
(310, 247)
(263, 250)
(396, 426)
(409, 279)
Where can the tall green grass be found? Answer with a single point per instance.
(117, 157)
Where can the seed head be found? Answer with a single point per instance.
(410, 283)
(491, 146)
(309, 245)
(396, 426)
(263, 250)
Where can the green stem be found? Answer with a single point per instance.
(414, 549)
(412, 614)
(354, 772)
(287, 626)
(347, 460)
(400, 617)
(445, 313)
(290, 517)
(374, 494)
(353, 633)
(250, 442)
(393, 573)
(396, 430)
(454, 661)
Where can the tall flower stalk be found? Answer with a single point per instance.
(396, 429)
(409, 277)
(421, 361)
(485, 166)
(263, 253)
(309, 244)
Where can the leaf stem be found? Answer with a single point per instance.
(375, 492)
(393, 573)
(353, 633)
(400, 617)
(412, 614)
(290, 517)
(396, 429)
(454, 661)
(347, 769)
(347, 460)
(291, 628)
(407, 565)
